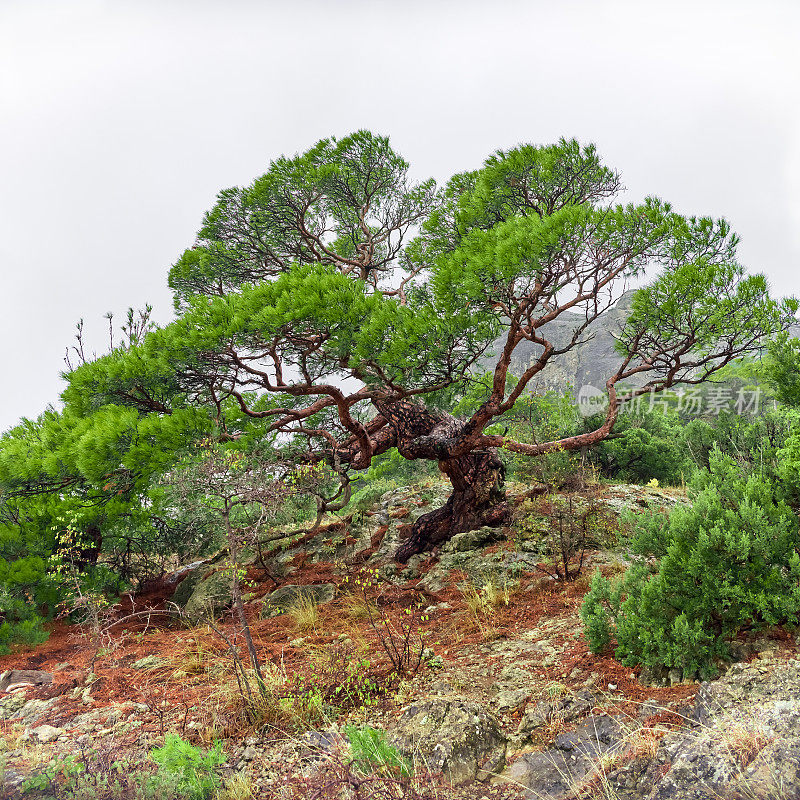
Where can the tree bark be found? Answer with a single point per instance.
(477, 476)
(478, 499)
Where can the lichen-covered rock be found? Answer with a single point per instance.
(286, 597)
(191, 575)
(558, 711)
(742, 741)
(555, 773)
(210, 597)
(12, 704)
(18, 707)
(454, 736)
(477, 565)
(188, 584)
(510, 699)
(776, 768)
(46, 733)
(473, 540)
(12, 778)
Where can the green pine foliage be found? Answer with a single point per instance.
(196, 772)
(80, 501)
(726, 563)
(27, 592)
(599, 612)
(783, 369)
(371, 752)
(27, 631)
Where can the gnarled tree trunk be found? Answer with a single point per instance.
(477, 476)
(478, 499)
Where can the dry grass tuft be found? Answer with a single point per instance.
(356, 607)
(273, 704)
(238, 787)
(483, 602)
(744, 739)
(644, 743)
(197, 658)
(305, 615)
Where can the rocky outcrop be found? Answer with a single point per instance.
(456, 737)
(558, 773)
(740, 741)
(465, 553)
(589, 363)
(18, 707)
(559, 711)
(744, 739)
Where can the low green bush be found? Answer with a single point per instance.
(648, 444)
(702, 574)
(23, 632)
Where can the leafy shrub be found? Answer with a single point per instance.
(538, 418)
(58, 772)
(646, 445)
(343, 673)
(704, 573)
(560, 528)
(403, 641)
(195, 770)
(340, 676)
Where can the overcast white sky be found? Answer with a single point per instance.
(120, 121)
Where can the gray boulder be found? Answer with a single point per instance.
(191, 575)
(558, 773)
(210, 596)
(560, 710)
(17, 707)
(473, 540)
(46, 733)
(454, 736)
(12, 779)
